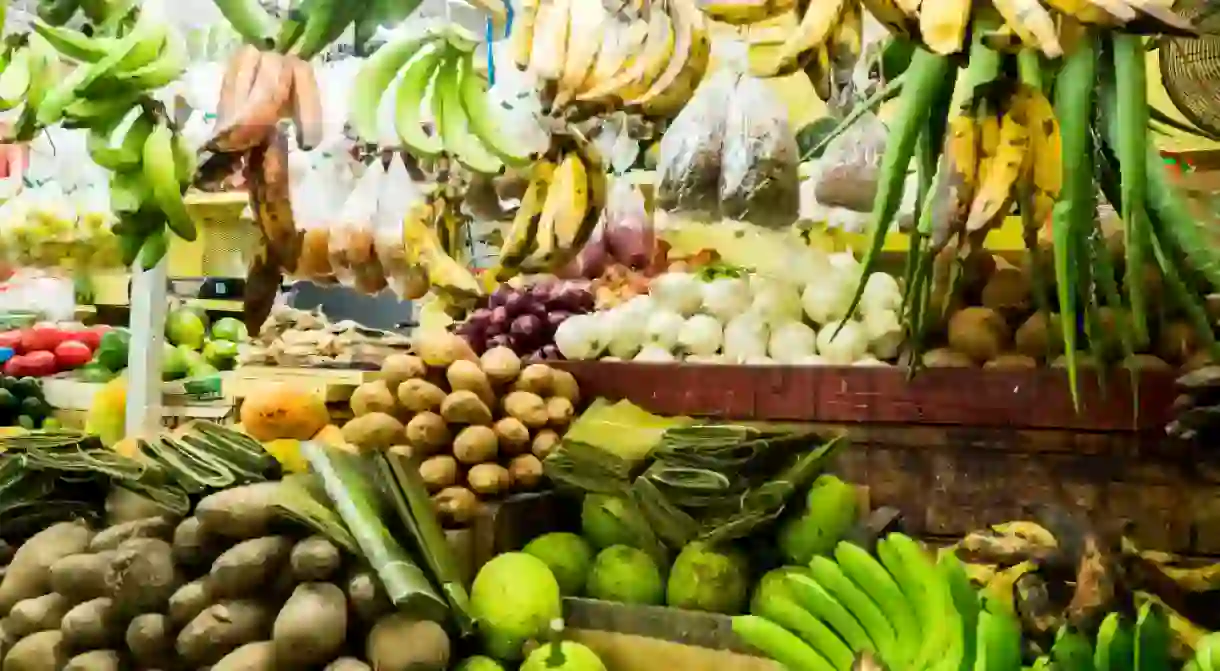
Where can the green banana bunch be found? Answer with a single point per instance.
(112, 74)
(439, 65)
(913, 613)
(151, 169)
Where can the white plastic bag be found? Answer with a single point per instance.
(352, 257)
(629, 234)
(849, 168)
(689, 164)
(400, 197)
(317, 202)
(759, 180)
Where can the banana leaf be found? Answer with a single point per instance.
(588, 468)
(410, 497)
(722, 482)
(357, 500)
(301, 501)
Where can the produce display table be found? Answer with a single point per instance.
(958, 449)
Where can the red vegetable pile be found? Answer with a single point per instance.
(525, 319)
(46, 349)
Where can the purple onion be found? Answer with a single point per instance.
(516, 304)
(501, 340)
(571, 299)
(542, 292)
(537, 308)
(480, 314)
(501, 294)
(550, 351)
(557, 317)
(527, 329)
(500, 316)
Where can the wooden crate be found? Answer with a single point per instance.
(958, 449)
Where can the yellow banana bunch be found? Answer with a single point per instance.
(826, 43)
(941, 24)
(648, 58)
(558, 213)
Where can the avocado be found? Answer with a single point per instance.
(27, 387)
(8, 401)
(35, 407)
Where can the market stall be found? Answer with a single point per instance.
(924, 380)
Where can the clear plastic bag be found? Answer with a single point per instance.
(630, 237)
(594, 257)
(399, 196)
(350, 243)
(317, 202)
(759, 180)
(690, 157)
(850, 166)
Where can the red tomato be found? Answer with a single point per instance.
(35, 364)
(11, 339)
(72, 354)
(41, 338)
(91, 338)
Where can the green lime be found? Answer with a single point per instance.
(51, 424)
(184, 327)
(26, 422)
(173, 363)
(230, 329)
(221, 354)
(191, 356)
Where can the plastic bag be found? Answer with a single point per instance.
(593, 258)
(690, 156)
(851, 165)
(630, 237)
(399, 197)
(317, 202)
(759, 180)
(350, 243)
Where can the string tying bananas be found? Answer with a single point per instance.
(645, 57)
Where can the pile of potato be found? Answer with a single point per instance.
(233, 587)
(478, 427)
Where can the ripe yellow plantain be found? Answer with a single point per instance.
(1099, 12)
(961, 165)
(306, 104)
(692, 51)
(995, 193)
(585, 28)
(256, 117)
(635, 78)
(1045, 170)
(238, 79)
(566, 203)
(267, 179)
(943, 25)
(816, 26)
(549, 45)
(1032, 23)
(890, 15)
(625, 41)
(521, 237)
(521, 40)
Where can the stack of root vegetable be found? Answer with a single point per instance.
(231, 587)
(478, 427)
